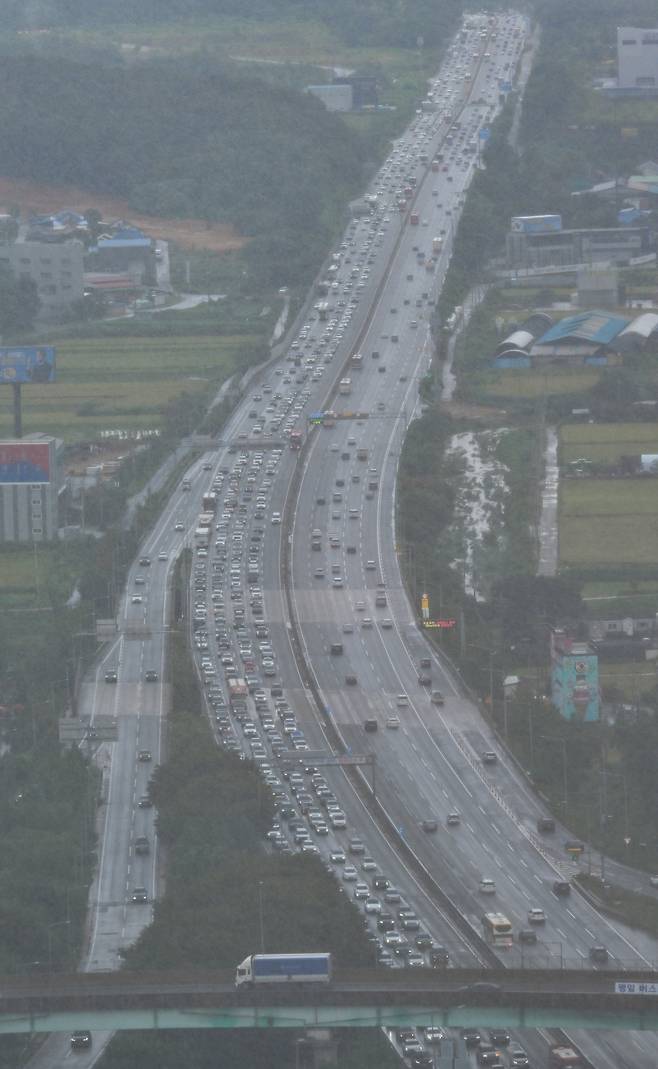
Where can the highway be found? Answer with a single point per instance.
(449, 998)
(378, 290)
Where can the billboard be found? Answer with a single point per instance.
(536, 224)
(24, 462)
(27, 363)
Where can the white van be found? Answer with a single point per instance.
(401, 701)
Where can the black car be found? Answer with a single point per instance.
(80, 1040)
(145, 802)
(499, 1037)
(471, 1037)
(111, 677)
(144, 755)
(439, 957)
(151, 676)
(139, 895)
(425, 1060)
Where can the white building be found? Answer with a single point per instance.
(29, 486)
(55, 268)
(637, 58)
(334, 97)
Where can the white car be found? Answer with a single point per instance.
(275, 519)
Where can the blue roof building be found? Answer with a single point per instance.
(587, 338)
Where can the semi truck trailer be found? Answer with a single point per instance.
(260, 969)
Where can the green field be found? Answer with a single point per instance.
(606, 442)
(529, 383)
(304, 41)
(124, 383)
(608, 521)
(26, 575)
(618, 588)
(631, 680)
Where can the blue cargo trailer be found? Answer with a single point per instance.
(284, 968)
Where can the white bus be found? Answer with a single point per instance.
(497, 930)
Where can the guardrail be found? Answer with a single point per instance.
(377, 812)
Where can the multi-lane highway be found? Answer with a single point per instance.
(345, 592)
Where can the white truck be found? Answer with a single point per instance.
(259, 969)
(202, 537)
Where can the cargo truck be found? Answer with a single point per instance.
(362, 453)
(437, 244)
(564, 1058)
(413, 218)
(209, 502)
(260, 969)
(345, 386)
(202, 537)
(237, 690)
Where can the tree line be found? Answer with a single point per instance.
(393, 23)
(179, 141)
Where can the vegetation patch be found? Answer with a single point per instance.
(528, 383)
(606, 442)
(126, 383)
(608, 522)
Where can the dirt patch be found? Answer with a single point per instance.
(188, 233)
(79, 457)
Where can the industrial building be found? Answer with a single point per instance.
(334, 97)
(637, 59)
(532, 248)
(29, 488)
(590, 338)
(126, 250)
(55, 268)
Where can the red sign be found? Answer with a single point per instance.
(24, 462)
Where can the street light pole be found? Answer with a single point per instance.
(561, 742)
(260, 916)
(49, 928)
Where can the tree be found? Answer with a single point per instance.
(19, 302)
(525, 606)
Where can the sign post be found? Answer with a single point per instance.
(25, 363)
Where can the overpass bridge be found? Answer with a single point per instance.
(516, 998)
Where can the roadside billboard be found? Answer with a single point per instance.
(24, 462)
(27, 363)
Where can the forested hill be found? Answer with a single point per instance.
(272, 161)
(394, 23)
